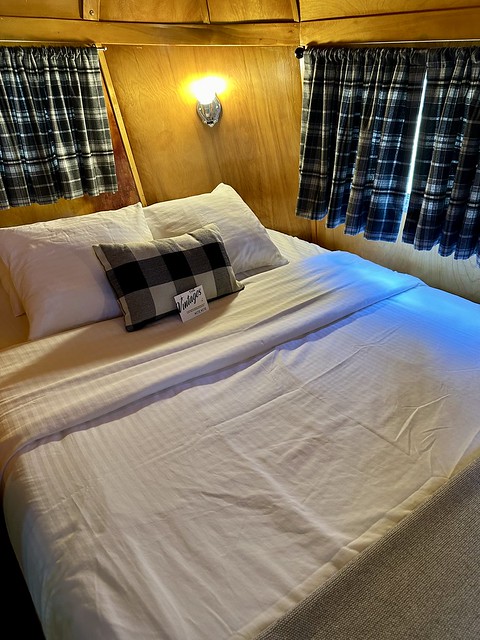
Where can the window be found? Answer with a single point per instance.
(392, 136)
(54, 132)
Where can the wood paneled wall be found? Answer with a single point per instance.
(255, 145)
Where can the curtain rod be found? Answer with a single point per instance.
(299, 51)
(70, 44)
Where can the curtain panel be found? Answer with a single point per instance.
(362, 111)
(359, 116)
(54, 132)
(444, 206)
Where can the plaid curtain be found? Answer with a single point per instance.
(360, 108)
(444, 206)
(54, 132)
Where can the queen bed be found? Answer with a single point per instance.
(215, 478)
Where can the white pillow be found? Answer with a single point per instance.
(7, 284)
(56, 273)
(246, 240)
(12, 330)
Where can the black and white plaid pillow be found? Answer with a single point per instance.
(146, 276)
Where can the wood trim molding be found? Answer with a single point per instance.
(295, 10)
(91, 9)
(121, 125)
(205, 9)
(444, 25)
(34, 30)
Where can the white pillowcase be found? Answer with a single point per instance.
(7, 284)
(12, 330)
(56, 273)
(246, 240)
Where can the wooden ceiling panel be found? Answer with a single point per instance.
(41, 8)
(249, 10)
(441, 26)
(319, 9)
(186, 11)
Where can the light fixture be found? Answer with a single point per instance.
(205, 90)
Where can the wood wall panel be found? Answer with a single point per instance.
(247, 10)
(455, 24)
(154, 10)
(135, 33)
(461, 277)
(255, 145)
(91, 9)
(40, 8)
(320, 9)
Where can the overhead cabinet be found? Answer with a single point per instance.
(320, 9)
(180, 11)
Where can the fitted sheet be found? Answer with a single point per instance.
(196, 481)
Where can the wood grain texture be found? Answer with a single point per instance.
(461, 277)
(454, 24)
(320, 9)
(155, 10)
(244, 10)
(91, 9)
(295, 10)
(35, 30)
(255, 145)
(125, 162)
(41, 8)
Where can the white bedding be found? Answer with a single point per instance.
(196, 480)
(14, 329)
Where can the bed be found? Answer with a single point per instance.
(289, 463)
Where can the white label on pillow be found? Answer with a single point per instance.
(191, 303)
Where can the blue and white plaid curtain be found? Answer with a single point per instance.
(444, 206)
(54, 133)
(360, 112)
(360, 109)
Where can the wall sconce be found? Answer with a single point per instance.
(205, 90)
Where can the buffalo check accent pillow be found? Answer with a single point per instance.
(146, 276)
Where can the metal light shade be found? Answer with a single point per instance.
(209, 113)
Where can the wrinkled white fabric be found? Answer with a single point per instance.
(194, 481)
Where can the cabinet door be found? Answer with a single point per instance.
(249, 10)
(154, 10)
(318, 9)
(40, 8)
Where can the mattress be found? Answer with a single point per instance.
(199, 480)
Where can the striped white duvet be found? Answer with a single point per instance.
(196, 480)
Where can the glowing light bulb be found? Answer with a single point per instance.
(205, 90)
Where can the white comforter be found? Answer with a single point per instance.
(196, 480)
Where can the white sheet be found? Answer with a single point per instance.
(13, 330)
(229, 466)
